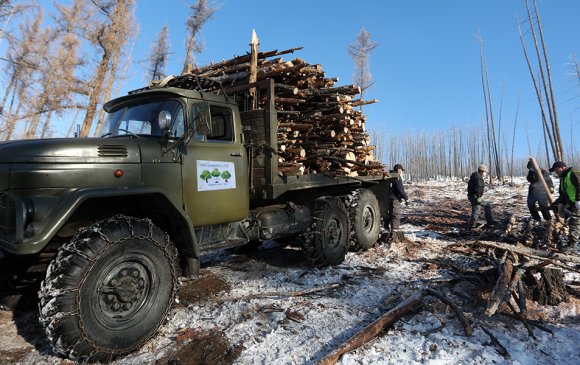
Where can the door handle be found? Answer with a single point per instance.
(236, 154)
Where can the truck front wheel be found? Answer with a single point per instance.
(109, 289)
(327, 242)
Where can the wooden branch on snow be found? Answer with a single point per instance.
(466, 325)
(500, 289)
(283, 294)
(521, 317)
(372, 330)
(502, 350)
(526, 251)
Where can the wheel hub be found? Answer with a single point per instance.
(368, 219)
(334, 232)
(123, 290)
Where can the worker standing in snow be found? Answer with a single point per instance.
(537, 194)
(475, 188)
(568, 202)
(396, 195)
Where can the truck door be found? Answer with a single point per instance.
(215, 167)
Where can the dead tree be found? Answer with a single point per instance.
(201, 12)
(108, 38)
(360, 52)
(544, 84)
(158, 54)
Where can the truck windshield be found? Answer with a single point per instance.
(145, 119)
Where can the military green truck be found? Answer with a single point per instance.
(178, 171)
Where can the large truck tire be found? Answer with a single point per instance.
(365, 215)
(327, 241)
(109, 289)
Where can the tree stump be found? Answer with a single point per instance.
(549, 289)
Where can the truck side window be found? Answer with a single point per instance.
(221, 124)
(220, 127)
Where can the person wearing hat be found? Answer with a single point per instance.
(537, 194)
(568, 201)
(475, 188)
(396, 195)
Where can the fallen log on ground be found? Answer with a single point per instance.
(372, 330)
(498, 293)
(393, 315)
(531, 252)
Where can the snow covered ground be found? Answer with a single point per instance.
(259, 311)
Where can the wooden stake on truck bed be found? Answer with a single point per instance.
(254, 68)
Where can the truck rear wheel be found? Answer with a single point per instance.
(109, 289)
(366, 219)
(327, 242)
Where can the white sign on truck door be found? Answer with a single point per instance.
(215, 175)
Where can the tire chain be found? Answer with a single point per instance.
(351, 201)
(320, 210)
(71, 249)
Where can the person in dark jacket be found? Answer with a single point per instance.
(537, 194)
(568, 202)
(475, 188)
(396, 195)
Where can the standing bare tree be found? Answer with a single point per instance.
(201, 12)
(110, 36)
(22, 64)
(126, 31)
(543, 83)
(57, 81)
(158, 54)
(360, 52)
(492, 136)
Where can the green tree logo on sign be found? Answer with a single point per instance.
(226, 175)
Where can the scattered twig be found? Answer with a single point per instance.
(520, 316)
(282, 294)
(466, 325)
(501, 349)
(433, 330)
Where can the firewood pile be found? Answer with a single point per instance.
(528, 265)
(319, 129)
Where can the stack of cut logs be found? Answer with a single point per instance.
(319, 130)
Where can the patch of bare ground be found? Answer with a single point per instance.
(205, 287)
(201, 348)
(13, 355)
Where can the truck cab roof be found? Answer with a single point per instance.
(154, 93)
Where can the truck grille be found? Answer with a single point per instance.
(7, 216)
(111, 150)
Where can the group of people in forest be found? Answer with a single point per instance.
(566, 206)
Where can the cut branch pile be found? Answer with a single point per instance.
(319, 129)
